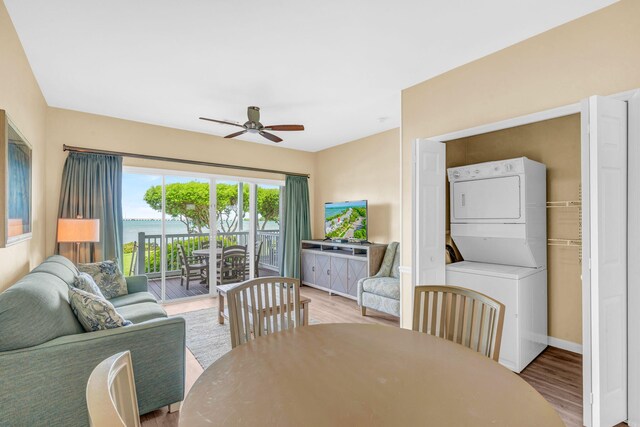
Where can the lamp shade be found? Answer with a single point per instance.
(15, 227)
(77, 230)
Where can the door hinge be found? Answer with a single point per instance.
(591, 398)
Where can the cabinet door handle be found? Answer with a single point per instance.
(313, 268)
(328, 272)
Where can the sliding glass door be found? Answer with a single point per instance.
(267, 226)
(186, 229)
(178, 232)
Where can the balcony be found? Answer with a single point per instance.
(146, 258)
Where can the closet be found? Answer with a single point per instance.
(584, 147)
(556, 144)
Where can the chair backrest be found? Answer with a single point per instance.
(233, 263)
(263, 306)
(258, 249)
(111, 393)
(234, 249)
(134, 259)
(460, 315)
(182, 255)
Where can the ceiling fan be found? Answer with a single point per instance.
(253, 125)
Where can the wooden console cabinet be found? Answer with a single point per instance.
(337, 267)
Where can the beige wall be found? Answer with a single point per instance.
(596, 54)
(551, 142)
(21, 98)
(368, 168)
(93, 131)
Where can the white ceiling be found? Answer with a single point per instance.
(335, 66)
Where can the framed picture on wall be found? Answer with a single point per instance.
(15, 184)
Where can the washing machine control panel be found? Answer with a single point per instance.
(487, 170)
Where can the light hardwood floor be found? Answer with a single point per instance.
(556, 374)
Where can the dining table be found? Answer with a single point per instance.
(206, 252)
(360, 374)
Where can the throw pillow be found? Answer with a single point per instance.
(85, 282)
(93, 312)
(107, 276)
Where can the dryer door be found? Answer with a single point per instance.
(491, 199)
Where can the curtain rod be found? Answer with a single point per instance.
(66, 147)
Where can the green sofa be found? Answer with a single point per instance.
(46, 357)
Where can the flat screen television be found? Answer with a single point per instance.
(346, 220)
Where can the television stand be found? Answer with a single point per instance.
(337, 267)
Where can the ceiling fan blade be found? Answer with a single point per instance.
(233, 135)
(270, 136)
(253, 113)
(221, 121)
(284, 127)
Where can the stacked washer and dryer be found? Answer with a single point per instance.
(499, 224)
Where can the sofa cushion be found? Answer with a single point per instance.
(35, 310)
(59, 259)
(138, 313)
(388, 287)
(94, 312)
(395, 267)
(130, 299)
(387, 261)
(380, 303)
(108, 277)
(85, 282)
(57, 269)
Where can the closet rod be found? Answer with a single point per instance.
(70, 148)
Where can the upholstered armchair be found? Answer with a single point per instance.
(381, 292)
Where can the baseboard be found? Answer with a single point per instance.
(565, 345)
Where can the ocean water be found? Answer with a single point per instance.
(152, 226)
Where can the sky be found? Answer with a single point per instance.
(135, 185)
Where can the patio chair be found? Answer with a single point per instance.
(256, 260)
(232, 265)
(191, 267)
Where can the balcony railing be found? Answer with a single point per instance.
(148, 251)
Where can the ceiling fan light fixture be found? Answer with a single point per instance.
(253, 125)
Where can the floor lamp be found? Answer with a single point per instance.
(78, 230)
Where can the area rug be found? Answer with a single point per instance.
(206, 338)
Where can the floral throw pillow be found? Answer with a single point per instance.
(85, 282)
(107, 276)
(93, 312)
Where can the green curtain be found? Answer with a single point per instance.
(92, 187)
(297, 223)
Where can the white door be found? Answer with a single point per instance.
(633, 323)
(605, 264)
(429, 212)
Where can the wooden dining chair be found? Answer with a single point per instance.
(460, 315)
(111, 393)
(263, 306)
